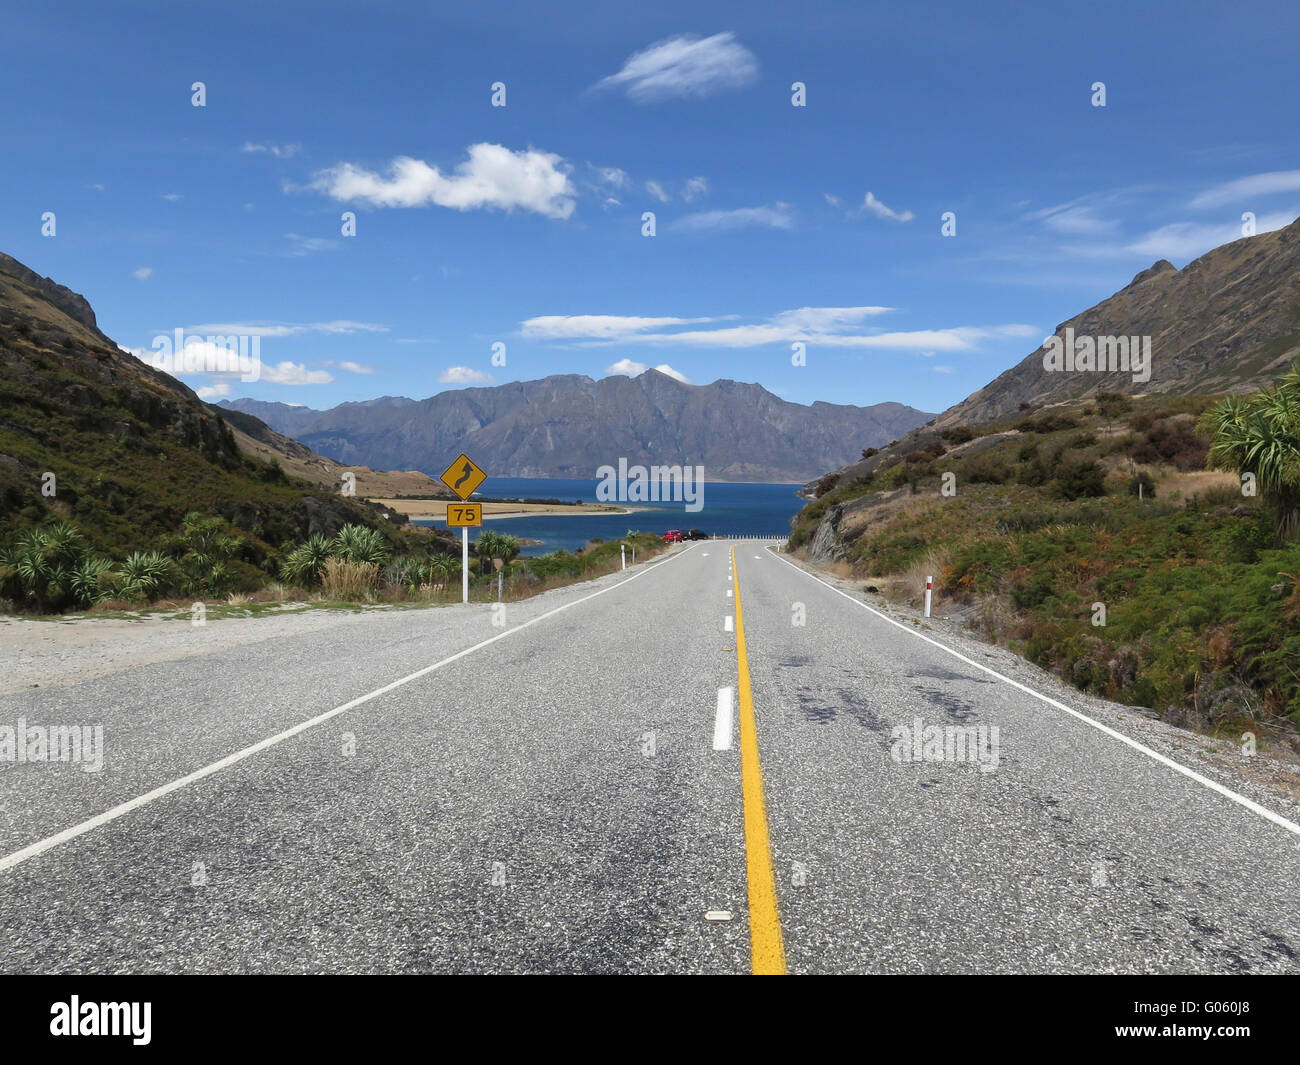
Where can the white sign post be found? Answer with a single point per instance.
(464, 566)
(929, 584)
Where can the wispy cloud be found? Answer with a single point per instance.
(350, 367)
(777, 216)
(632, 368)
(280, 151)
(599, 326)
(685, 66)
(870, 203)
(1074, 219)
(1246, 188)
(143, 274)
(285, 329)
(695, 188)
(843, 327)
(492, 177)
(309, 245)
(657, 191)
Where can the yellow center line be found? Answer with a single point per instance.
(767, 951)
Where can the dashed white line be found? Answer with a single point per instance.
(728, 623)
(722, 720)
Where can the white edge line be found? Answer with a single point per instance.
(39, 847)
(1213, 785)
(722, 720)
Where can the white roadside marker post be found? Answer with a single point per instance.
(929, 584)
(500, 580)
(622, 553)
(464, 565)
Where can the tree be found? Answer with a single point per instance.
(1260, 435)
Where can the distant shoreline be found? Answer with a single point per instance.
(436, 509)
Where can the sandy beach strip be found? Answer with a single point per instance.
(436, 509)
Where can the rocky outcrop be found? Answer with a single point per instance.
(826, 545)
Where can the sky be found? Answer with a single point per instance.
(496, 243)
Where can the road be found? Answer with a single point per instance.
(571, 786)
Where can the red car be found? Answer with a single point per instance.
(673, 536)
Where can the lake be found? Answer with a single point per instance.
(729, 509)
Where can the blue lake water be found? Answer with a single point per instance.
(729, 509)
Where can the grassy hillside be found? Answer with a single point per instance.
(1201, 607)
(94, 439)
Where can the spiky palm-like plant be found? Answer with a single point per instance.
(39, 567)
(145, 575)
(304, 563)
(441, 567)
(1260, 435)
(206, 554)
(357, 544)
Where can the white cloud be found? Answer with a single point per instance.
(610, 201)
(1244, 188)
(464, 375)
(143, 274)
(492, 177)
(172, 197)
(834, 201)
(350, 367)
(611, 176)
(280, 151)
(775, 217)
(285, 329)
(293, 373)
(695, 188)
(221, 388)
(942, 369)
(632, 368)
(870, 203)
(657, 191)
(685, 66)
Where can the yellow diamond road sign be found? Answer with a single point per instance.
(462, 476)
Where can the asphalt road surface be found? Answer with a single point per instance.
(636, 774)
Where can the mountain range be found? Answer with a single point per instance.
(567, 425)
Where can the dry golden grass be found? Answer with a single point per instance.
(349, 581)
(910, 584)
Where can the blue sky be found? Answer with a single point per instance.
(522, 225)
